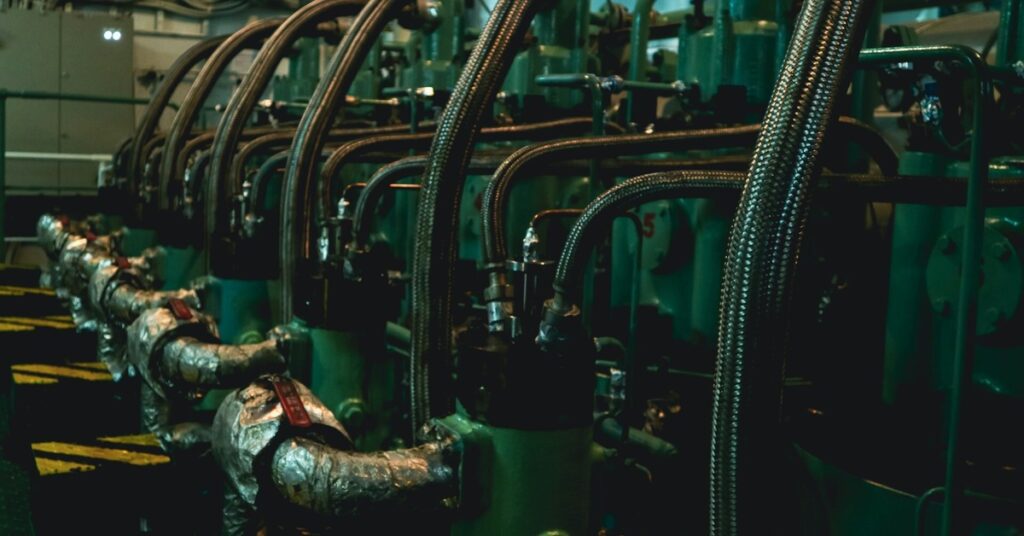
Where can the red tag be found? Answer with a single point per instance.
(122, 262)
(90, 236)
(180, 310)
(292, 404)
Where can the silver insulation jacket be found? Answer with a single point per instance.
(318, 472)
(111, 349)
(117, 300)
(179, 438)
(250, 419)
(207, 365)
(147, 336)
(337, 484)
(51, 235)
(123, 294)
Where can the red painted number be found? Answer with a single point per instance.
(649, 224)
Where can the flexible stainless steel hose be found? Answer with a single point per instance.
(495, 197)
(316, 121)
(437, 222)
(158, 103)
(303, 21)
(178, 135)
(597, 217)
(763, 248)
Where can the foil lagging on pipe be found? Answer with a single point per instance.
(118, 296)
(312, 466)
(177, 438)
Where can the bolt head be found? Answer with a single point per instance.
(1001, 251)
(946, 245)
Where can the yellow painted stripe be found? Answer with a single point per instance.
(32, 379)
(37, 322)
(49, 466)
(59, 318)
(28, 290)
(4, 326)
(142, 440)
(92, 365)
(101, 453)
(64, 372)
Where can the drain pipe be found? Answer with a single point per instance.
(762, 252)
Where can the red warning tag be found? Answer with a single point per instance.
(180, 310)
(90, 237)
(122, 262)
(292, 404)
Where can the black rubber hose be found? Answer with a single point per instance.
(316, 121)
(763, 249)
(248, 36)
(437, 222)
(173, 77)
(236, 115)
(495, 199)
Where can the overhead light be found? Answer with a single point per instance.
(111, 34)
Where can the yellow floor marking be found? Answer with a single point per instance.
(93, 365)
(4, 326)
(64, 372)
(28, 290)
(59, 318)
(142, 440)
(101, 453)
(38, 322)
(32, 379)
(49, 466)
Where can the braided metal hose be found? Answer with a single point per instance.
(236, 115)
(598, 215)
(158, 103)
(313, 127)
(763, 249)
(437, 222)
(178, 135)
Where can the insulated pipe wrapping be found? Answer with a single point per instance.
(240, 106)
(249, 421)
(51, 234)
(316, 121)
(118, 297)
(336, 484)
(155, 329)
(177, 438)
(312, 467)
(206, 365)
(763, 249)
(437, 221)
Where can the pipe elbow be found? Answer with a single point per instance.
(312, 467)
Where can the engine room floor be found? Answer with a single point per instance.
(72, 459)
